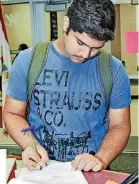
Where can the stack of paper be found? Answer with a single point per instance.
(54, 173)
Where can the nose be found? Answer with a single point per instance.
(86, 52)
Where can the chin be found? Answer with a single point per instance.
(79, 61)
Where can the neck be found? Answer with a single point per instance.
(60, 47)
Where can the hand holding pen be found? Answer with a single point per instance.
(34, 157)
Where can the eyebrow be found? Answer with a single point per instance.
(87, 45)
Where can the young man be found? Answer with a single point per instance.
(68, 106)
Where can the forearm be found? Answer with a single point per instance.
(113, 144)
(14, 124)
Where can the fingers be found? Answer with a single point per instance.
(90, 165)
(31, 159)
(81, 161)
(84, 163)
(34, 156)
(110, 182)
(31, 165)
(43, 154)
(98, 167)
(87, 162)
(27, 158)
(75, 162)
(29, 153)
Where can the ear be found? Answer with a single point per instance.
(66, 23)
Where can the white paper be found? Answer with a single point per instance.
(18, 181)
(54, 173)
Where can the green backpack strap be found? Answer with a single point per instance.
(39, 58)
(105, 71)
(36, 66)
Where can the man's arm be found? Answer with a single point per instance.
(112, 145)
(14, 119)
(116, 138)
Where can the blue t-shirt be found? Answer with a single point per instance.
(68, 104)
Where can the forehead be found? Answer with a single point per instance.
(87, 40)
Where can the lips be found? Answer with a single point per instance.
(78, 59)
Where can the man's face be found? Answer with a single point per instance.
(80, 47)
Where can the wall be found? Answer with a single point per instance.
(126, 21)
(128, 24)
(116, 43)
(134, 117)
(18, 24)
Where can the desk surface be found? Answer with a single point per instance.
(102, 176)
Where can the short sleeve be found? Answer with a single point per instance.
(120, 96)
(17, 83)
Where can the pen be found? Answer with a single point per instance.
(32, 141)
(30, 129)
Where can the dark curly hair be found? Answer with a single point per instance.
(95, 17)
(22, 46)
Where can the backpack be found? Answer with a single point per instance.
(38, 61)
